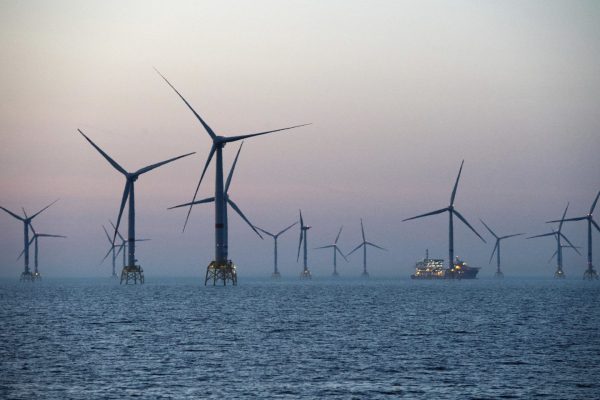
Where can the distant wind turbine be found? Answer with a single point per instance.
(496, 250)
(131, 271)
(336, 250)
(304, 238)
(275, 236)
(34, 239)
(26, 274)
(221, 267)
(123, 246)
(590, 272)
(364, 245)
(451, 211)
(558, 235)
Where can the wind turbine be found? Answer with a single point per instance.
(131, 271)
(364, 245)
(34, 240)
(229, 272)
(558, 235)
(451, 211)
(590, 272)
(221, 267)
(276, 274)
(304, 238)
(496, 250)
(26, 274)
(112, 248)
(336, 250)
(123, 246)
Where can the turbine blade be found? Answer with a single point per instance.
(241, 214)
(31, 226)
(494, 251)
(299, 245)
(107, 254)
(542, 235)
(106, 156)
(283, 231)
(570, 244)
(562, 220)
(232, 168)
(553, 255)
(153, 166)
(456, 183)
(204, 124)
(210, 156)
(301, 220)
(324, 247)
(338, 235)
(427, 214)
(13, 214)
(49, 235)
(119, 251)
(123, 201)
(356, 248)
(469, 225)
(207, 200)
(567, 219)
(43, 209)
(595, 224)
(107, 235)
(341, 254)
(236, 138)
(513, 235)
(265, 232)
(362, 229)
(489, 229)
(118, 233)
(594, 203)
(374, 245)
(21, 254)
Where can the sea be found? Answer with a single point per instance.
(174, 338)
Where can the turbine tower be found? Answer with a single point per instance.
(26, 274)
(221, 268)
(452, 212)
(131, 271)
(229, 273)
(336, 250)
(590, 272)
(496, 250)
(304, 238)
(34, 239)
(276, 274)
(364, 245)
(558, 235)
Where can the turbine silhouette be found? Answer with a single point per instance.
(452, 211)
(496, 250)
(131, 271)
(336, 250)
(364, 245)
(221, 268)
(275, 236)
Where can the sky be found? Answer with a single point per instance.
(398, 93)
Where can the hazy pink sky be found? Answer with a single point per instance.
(398, 94)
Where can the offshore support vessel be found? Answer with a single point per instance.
(430, 268)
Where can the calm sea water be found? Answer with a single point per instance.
(82, 339)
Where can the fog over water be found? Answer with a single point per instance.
(398, 93)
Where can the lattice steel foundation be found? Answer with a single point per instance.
(221, 272)
(133, 273)
(590, 273)
(305, 274)
(559, 273)
(27, 276)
